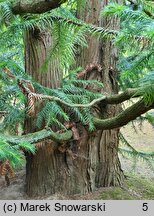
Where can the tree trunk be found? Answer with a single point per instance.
(40, 166)
(81, 166)
(104, 167)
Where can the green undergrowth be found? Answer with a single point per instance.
(134, 188)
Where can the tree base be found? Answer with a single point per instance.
(80, 168)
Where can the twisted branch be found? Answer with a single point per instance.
(129, 114)
(38, 136)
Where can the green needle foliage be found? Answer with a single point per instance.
(129, 152)
(14, 154)
(135, 41)
(68, 32)
(72, 91)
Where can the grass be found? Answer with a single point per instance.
(143, 186)
(116, 194)
(135, 188)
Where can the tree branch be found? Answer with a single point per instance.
(35, 6)
(37, 136)
(124, 96)
(129, 114)
(121, 119)
(112, 99)
(88, 69)
(148, 13)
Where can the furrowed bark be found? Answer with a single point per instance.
(103, 167)
(79, 166)
(42, 170)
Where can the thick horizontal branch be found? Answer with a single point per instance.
(37, 136)
(35, 6)
(124, 96)
(129, 114)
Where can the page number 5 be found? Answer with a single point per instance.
(145, 207)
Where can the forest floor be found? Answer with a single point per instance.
(139, 183)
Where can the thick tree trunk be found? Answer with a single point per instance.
(37, 47)
(104, 168)
(40, 167)
(77, 166)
